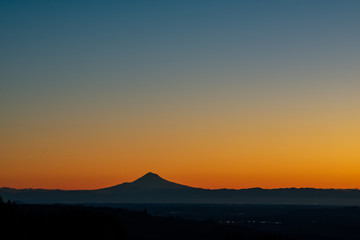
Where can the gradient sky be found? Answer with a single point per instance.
(211, 94)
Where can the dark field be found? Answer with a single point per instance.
(292, 221)
(178, 221)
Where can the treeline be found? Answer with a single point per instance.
(19, 221)
(58, 222)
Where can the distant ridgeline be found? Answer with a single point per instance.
(151, 188)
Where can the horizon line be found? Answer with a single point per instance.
(152, 173)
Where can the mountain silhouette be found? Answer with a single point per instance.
(150, 181)
(151, 188)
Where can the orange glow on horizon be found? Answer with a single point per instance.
(233, 147)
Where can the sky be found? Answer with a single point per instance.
(212, 94)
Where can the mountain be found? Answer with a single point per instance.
(151, 188)
(147, 182)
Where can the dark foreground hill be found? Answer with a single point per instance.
(151, 188)
(256, 222)
(59, 222)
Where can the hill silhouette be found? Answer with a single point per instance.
(83, 222)
(149, 181)
(151, 188)
(250, 222)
